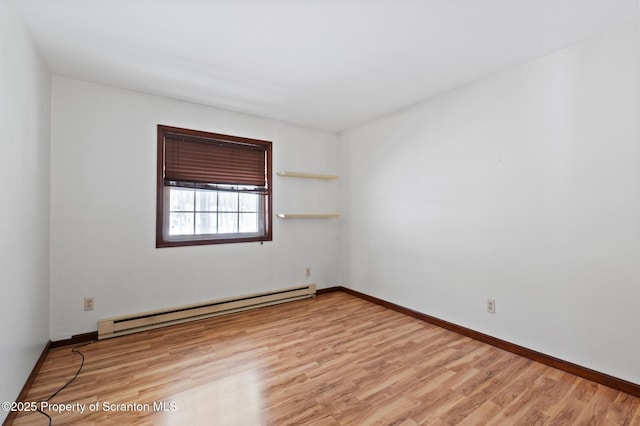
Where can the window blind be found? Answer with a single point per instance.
(201, 161)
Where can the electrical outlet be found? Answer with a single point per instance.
(308, 272)
(491, 306)
(88, 303)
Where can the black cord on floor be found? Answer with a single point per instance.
(75, 349)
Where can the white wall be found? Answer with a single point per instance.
(103, 209)
(523, 187)
(24, 204)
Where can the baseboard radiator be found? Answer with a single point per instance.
(128, 324)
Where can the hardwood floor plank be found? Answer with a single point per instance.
(600, 398)
(623, 410)
(480, 416)
(332, 360)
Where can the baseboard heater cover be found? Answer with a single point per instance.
(128, 324)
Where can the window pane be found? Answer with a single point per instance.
(180, 223)
(248, 202)
(206, 223)
(206, 201)
(181, 199)
(228, 201)
(248, 222)
(228, 223)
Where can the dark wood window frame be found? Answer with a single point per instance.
(217, 162)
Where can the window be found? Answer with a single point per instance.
(212, 188)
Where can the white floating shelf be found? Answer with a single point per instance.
(307, 215)
(307, 175)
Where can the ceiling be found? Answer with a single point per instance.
(329, 64)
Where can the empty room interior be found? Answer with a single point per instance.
(320, 212)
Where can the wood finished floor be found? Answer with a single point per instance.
(335, 359)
